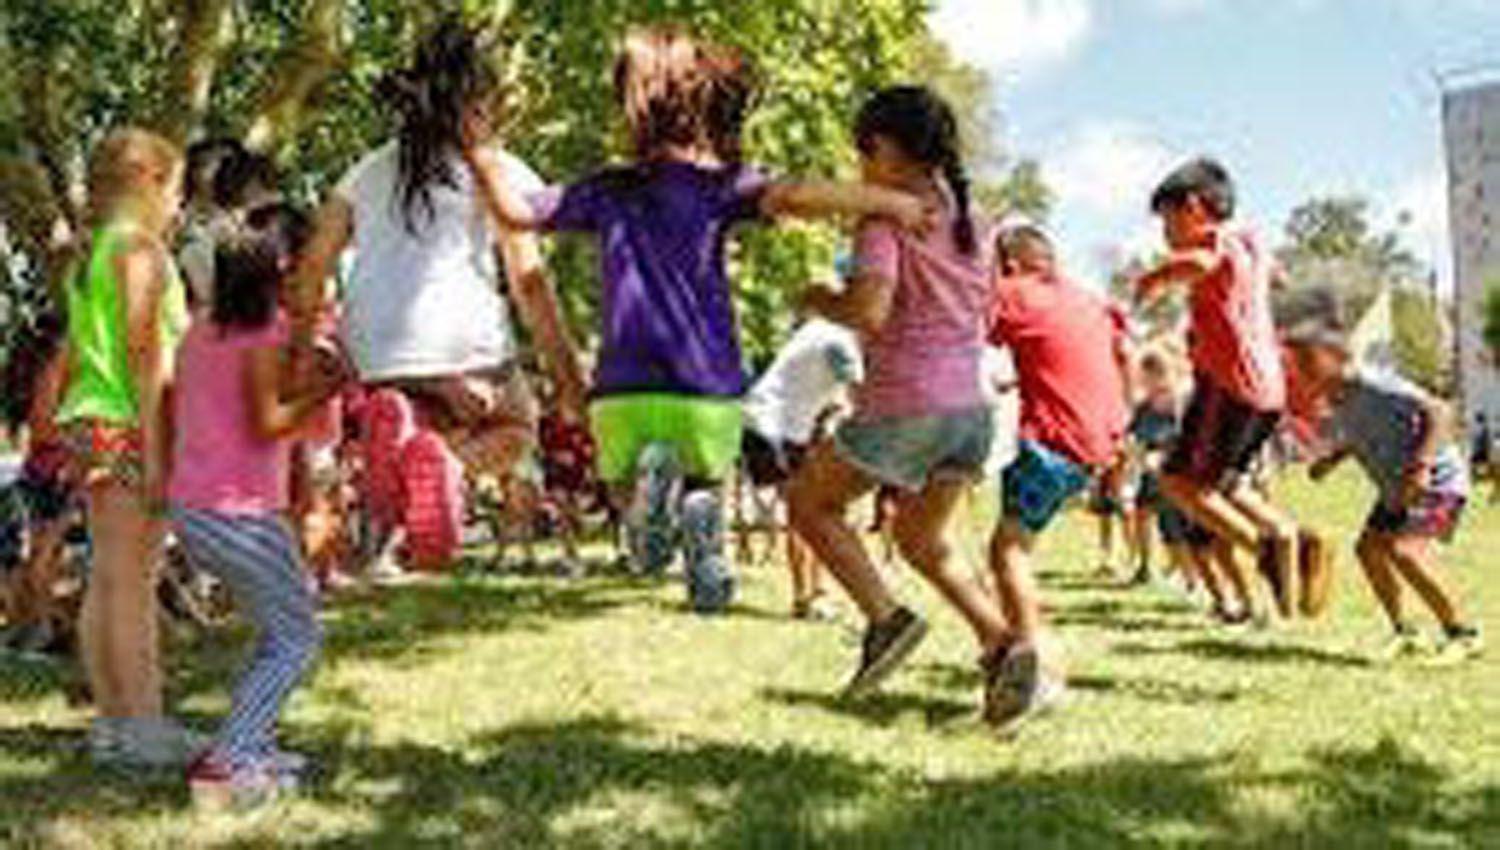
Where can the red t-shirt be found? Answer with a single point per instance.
(1233, 336)
(1064, 339)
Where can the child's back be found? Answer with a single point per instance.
(1233, 338)
(925, 358)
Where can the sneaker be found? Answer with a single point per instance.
(433, 480)
(1010, 688)
(1405, 642)
(711, 582)
(649, 522)
(1458, 646)
(815, 609)
(136, 743)
(34, 642)
(218, 786)
(886, 645)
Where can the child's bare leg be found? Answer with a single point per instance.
(118, 630)
(1374, 554)
(1228, 567)
(1273, 524)
(1413, 557)
(1139, 539)
(818, 499)
(1015, 581)
(1212, 510)
(803, 569)
(921, 532)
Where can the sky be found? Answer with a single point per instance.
(1300, 98)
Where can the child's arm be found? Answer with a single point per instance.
(506, 206)
(1437, 424)
(141, 271)
(864, 303)
(331, 235)
(824, 199)
(536, 298)
(277, 410)
(1184, 267)
(1325, 465)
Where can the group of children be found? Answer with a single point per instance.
(189, 416)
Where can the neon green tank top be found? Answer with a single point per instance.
(100, 383)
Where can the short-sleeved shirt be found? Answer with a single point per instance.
(667, 315)
(422, 298)
(925, 359)
(1065, 340)
(1380, 418)
(221, 463)
(1233, 339)
(809, 373)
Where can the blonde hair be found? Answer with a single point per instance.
(130, 170)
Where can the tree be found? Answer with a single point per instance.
(1492, 320)
(294, 78)
(1331, 243)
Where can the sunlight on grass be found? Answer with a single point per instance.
(515, 712)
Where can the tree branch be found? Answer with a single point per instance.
(305, 65)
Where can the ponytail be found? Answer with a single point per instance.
(958, 181)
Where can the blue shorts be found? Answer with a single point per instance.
(909, 451)
(1038, 483)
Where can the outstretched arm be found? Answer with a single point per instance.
(278, 410)
(1184, 267)
(826, 199)
(536, 298)
(1325, 465)
(863, 304)
(507, 207)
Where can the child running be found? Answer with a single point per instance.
(1403, 440)
(1240, 388)
(1069, 347)
(126, 310)
(920, 422)
(782, 412)
(666, 411)
(229, 492)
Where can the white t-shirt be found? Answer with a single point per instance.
(817, 364)
(426, 303)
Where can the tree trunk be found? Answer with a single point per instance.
(204, 28)
(305, 65)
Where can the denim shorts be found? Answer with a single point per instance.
(1038, 483)
(910, 451)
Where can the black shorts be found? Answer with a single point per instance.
(770, 463)
(1221, 437)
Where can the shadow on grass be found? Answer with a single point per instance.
(1240, 653)
(882, 708)
(598, 782)
(1154, 690)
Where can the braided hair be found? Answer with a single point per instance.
(923, 126)
(431, 98)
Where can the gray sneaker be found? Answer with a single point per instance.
(1017, 690)
(650, 521)
(143, 743)
(886, 646)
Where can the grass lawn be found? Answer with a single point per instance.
(511, 712)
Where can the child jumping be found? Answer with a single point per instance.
(1070, 351)
(1240, 388)
(1403, 440)
(229, 492)
(666, 411)
(920, 423)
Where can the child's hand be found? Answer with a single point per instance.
(918, 215)
(1414, 484)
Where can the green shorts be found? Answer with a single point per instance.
(705, 432)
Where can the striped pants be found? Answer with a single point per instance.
(258, 559)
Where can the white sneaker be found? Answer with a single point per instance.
(148, 743)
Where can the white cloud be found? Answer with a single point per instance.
(1013, 35)
(1107, 168)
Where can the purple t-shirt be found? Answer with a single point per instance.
(667, 315)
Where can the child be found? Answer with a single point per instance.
(782, 410)
(1070, 353)
(666, 412)
(229, 491)
(1153, 428)
(1402, 438)
(920, 422)
(126, 310)
(1239, 384)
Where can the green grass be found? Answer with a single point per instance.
(488, 712)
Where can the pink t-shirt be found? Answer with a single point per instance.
(1064, 340)
(925, 359)
(1233, 336)
(221, 464)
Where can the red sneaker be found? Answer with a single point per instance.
(434, 485)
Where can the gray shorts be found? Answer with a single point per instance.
(910, 451)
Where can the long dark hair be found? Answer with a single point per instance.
(677, 90)
(923, 126)
(447, 77)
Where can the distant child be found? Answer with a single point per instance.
(222, 180)
(810, 374)
(126, 310)
(1403, 440)
(1071, 354)
(920, 423)
(666, 411)
(229, 493)
(1240, 388)
(1153, 429)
